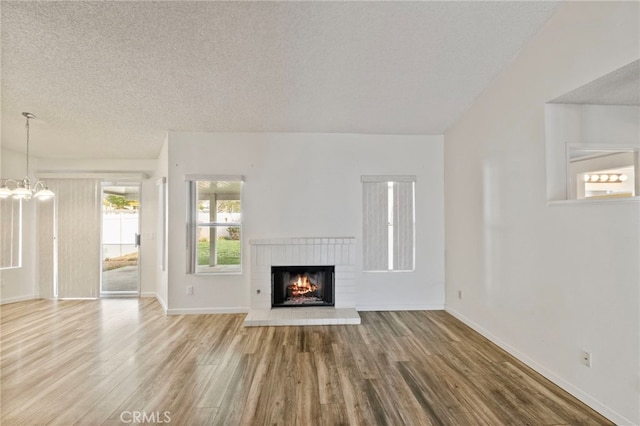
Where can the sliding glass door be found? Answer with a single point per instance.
(120, 239)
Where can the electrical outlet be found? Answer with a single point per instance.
(586, 358)
(189, 289)
(459, 294)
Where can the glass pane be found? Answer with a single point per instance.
(218, 249)
(120, 235)
(224, 195)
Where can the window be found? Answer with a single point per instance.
(601, 174)
(388, 223)
(10, 233)
(215, 225)
(591, 141)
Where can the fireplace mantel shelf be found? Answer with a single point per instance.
(303, 241)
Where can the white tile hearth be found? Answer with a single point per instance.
(301, 316)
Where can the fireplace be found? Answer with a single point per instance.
(300, 286)
(273, 253)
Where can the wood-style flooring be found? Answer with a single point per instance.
(106, 361)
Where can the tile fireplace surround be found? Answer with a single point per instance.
(337, 251)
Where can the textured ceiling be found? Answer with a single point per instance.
(108, 79)
(620, 87)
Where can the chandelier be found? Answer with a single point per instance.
(22, 189)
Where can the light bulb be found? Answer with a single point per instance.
(594, 178)
(613, 178)
(44, 194)
(604, 178)
(623, 178)
(586, 177)
(21, 193)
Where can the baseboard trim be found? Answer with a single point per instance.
(18, 299)
(148, 294)
(162, 303)
(420, 307)
(548, 374)
(206, 311)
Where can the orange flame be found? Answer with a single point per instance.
(302, 286)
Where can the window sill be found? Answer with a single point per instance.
(587, 201)
(220, 270)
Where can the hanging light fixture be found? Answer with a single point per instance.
(605, 178)
(23, 190)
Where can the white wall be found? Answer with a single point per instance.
(308, 185)
(546, 282)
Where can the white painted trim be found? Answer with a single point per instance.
(19, 299)
(162, 303)
(304, 241)
(387, 178)
(418, 307)
(548, 374)
(190, 177)
(589, 201)
(106, 175)
(206, 311)
(75, 298)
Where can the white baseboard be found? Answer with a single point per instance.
(162, 303)
(550, 375)
(193, 311)
(18, 299)
(420, 307)
(206, 311)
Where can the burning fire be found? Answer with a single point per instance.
(302, 286)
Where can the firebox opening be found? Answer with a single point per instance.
(295, 286)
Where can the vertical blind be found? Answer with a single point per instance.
(388, 223)
(46, 243)
(375, 241)
(403, 226)
(74, 238)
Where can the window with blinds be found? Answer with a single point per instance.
(388, 223)
(10, 233)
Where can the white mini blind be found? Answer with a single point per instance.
(388, 223)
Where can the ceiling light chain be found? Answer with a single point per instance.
(22, 188)
(28, 116)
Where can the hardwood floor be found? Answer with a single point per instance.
(106, 361)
